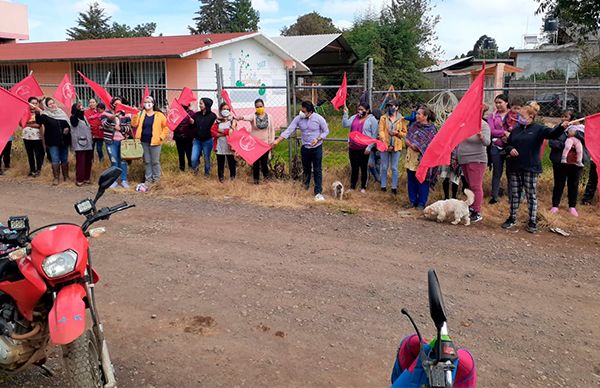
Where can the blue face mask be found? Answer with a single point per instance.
(522, 120)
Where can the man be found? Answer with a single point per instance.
(313, 129)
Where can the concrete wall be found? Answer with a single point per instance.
(542, 62)
(50, 73)
(180, 73)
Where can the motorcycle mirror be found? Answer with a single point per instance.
(436, 301)
(108, 177)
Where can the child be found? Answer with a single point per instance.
(573, 142)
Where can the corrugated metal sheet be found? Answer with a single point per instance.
(303, 47)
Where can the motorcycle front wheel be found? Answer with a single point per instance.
(82, 361)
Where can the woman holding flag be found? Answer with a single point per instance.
(152, 130)
(221, 129)
(364, 123)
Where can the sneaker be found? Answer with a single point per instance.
(563, 160)
(579, 164)
(350, 191)
(114, 185)
(394, 191)
(493, 201)
(476, 217)
(509, 223)
(319, 197)
(125, 184)
(573, 212)
(586, 202)
(554, 210)
(384, 189)
(532, 227)
(363, 191)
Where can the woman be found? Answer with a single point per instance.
(523, 164)
(392, 129)
(472, 158)
(32, 139)
(569, 172)
(222, 128)
(418, 138)
(184, 137)
(362, 122)
(81, 142)
(91, 115)
(263, 129)
(203, 141)
(56, 136)
(117, 127)
(152, 130)
(498, 122)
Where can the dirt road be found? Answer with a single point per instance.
(202, 293)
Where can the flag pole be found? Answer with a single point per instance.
(576, 121)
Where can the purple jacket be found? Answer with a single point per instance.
(310, 128)
(498, 126)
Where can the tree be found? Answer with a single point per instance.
(310, 24)
(92, 24)
(95, 24)
(485, 47)
(583, 16)
(245, 18)
(214, 16)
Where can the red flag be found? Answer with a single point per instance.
(340, 96)
(175, 115)
(65, 92)
(11, 111)
(27, 87)
(187, 97)
(99, 90)
(464, 122)
(592, 138)
(126, 109)
(247, 146)
(362, 139)
(225, 96)
(146, 94)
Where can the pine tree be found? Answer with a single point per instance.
(214, 16)
(245, 18)
(92, 24)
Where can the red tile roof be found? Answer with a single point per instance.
(159, 46)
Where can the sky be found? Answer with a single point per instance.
(462, 22)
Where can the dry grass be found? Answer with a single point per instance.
(290, 194)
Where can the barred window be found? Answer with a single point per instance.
(11, 74)
(126, 79)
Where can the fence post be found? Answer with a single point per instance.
(365, 75)
(219, 84)
(288, 95)
(566, 83)
(370, 82)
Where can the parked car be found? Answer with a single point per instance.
(551, 104)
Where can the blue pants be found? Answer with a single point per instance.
(98, 144)
(312, 160)
(389, 159)
(417, 192)
(202, 147)
(59, 154)
(114, 153)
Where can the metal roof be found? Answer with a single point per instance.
(305, 46)
(445, 65)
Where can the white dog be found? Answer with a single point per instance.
(451, 210)
(337, 190)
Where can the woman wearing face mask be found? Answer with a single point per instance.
(523, 164)
(152, 130)
(392, 129)
(33, 140)
(262, 128)
(203, 141)
(362, 122)
(117, 127)
(56, 137)
(81, 142)
(184, 136)
(93, 118)
(418, 138)
(500, 129)
(221, 129)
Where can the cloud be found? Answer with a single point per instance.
(342, 24)
(110, 8)
(280, 20)
(266, 6)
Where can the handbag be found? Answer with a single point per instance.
(131, 149)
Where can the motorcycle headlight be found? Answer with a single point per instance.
(60, 264)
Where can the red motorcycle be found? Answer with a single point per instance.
(47, 294)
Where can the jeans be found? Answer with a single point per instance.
(417, 192)
(474, 175)
(569, 174)
(59, 154)
(312, 159)
(98, 144)
(261, 164)
(358, 162)
(202, 147)
(184, 150)
(35, 154)
(497, 169)
(151, 162)
(375, 164)
(387, 159)
(231, 163)
(114, 153)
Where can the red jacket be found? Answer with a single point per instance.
(94, 120)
